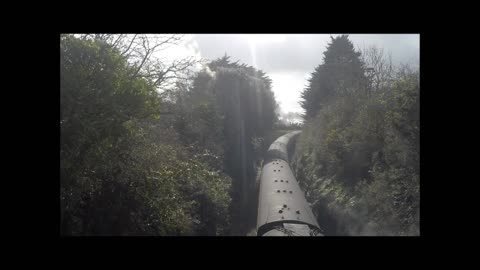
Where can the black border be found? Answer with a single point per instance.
(47, 135)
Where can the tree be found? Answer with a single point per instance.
(381, 74)
(122, 168)
(98, 103)
(98, 95)
(239, 108)
(142, 53)
(342, 73)
(363, 170)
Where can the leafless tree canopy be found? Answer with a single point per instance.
(140, 51)
(382, 70)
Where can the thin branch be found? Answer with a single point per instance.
(116, 41)
(133, 39)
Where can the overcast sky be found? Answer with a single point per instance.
(289, 59)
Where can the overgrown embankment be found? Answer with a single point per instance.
(358, 154)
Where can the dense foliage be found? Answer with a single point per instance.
(230, 108)
(358, 155)
(143, 154)
(134, 162)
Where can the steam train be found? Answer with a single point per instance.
(282, 207)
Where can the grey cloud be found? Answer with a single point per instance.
(213, 46)
(404, 48)
(300, 52)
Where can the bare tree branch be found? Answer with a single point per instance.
(116, 41)
(381, 65)
(145, 52)
(130, 45)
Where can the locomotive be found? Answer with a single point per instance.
(282, 207)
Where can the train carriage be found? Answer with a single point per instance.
(282, 208)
